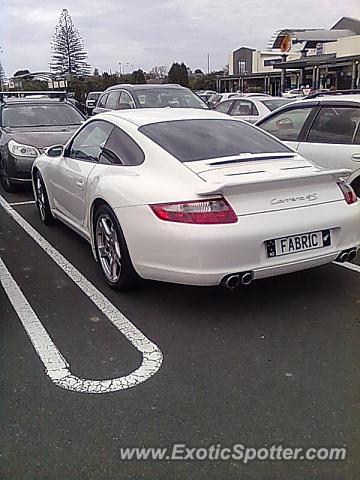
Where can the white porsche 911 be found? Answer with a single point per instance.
(194, 197)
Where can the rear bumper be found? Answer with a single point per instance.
(204, 254)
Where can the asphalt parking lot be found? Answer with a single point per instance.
(274, 363)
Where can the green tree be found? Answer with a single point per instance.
(139, 77)
(184, 75)
(174, 75)
(178, 74)
(68, 54)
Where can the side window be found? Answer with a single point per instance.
(113, 100)
(126, 99)
(224, 107)
(242, 108)
(88, 143)
(287, 125)
(335, 125)
(102, 101)
(121, 149)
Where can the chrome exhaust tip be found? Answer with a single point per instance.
(352, 254)
(247, 278)
(231, 282)
(343, 257)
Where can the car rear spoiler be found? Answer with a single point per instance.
(219, 188)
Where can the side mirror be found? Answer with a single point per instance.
(55, 151)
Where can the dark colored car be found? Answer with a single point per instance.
(28, 125)
(91, 101)
(121, 97)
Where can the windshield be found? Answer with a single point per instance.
(93, 96)
(42, 115)
(273, 104)
(170, 97)
(189, 140)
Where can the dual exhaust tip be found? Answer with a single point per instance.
(347, 256)
(233, 281)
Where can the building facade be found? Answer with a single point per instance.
(317, 58)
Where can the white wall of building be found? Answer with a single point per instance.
(344, 47)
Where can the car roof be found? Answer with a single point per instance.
(145, 116)
(130, 87)
(36, 100)
(328, 99)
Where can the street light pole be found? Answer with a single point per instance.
(120, 68)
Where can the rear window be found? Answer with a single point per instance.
(274, 104)
(41, 115)
(189, 140)
(169, 97)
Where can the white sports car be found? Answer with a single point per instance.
(194, 197)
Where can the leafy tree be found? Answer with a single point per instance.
(178, 74)
(174, 75)
(68, 54)
(184, 75)
(158, 72)
(138, 77)
(96, 72)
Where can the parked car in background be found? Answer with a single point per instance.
(194, 197)
(205, 92)
(124, 97)
(296, 93)
(253, 94)
(324, 129)
(91, 100)
(28, 125)
(221, 97)
(251, 109)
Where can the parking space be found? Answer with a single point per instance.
(274, 363)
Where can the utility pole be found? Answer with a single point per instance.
(208, 63)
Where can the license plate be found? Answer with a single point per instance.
(298, 243)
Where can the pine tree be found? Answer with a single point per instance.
(2, 76)
(68, 54)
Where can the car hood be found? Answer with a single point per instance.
(42, 137)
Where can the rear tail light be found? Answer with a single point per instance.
(211, 211)
(348, 192)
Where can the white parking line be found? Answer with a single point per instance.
(56, 366)
(351, 266)
(29, 202)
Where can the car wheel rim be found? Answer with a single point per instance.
(108, 248)
(40, 197)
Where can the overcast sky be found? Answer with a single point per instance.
(145, 33)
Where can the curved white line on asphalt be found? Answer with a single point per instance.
(350, 266)
(55, 365)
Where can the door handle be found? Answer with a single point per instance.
(80, 183)
(356, 157)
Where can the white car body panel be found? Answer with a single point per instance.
(292, 199)
(332, 155)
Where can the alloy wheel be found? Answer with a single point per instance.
(108, 248)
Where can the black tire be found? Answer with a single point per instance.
(6, 183)
(356, 186)
(111, 250)
(42, 200)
